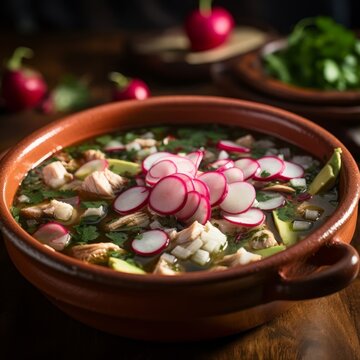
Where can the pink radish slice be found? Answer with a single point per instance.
(184, 165)
(201, 187)
(150, 181)
(291, 171)
(152, 158)
(217, 185)
(188, 181)
(90, 167)
(140, 181)
(168, 195)
(114, 146)
(53, 234)
(231, 146)
(192, 203)
(270, 168)
(248, 166)
(195, 157)
(202, 213)
(240, 197)
(234, 174)
(131, 199)
(162, 168)
(151, 242)
(251, 217)
(221, 165)
(277, 200)
(73, 201)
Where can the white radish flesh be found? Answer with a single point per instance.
(202, 213)
(114, 146)
(195, 157)
(168, 195)
(151, 242)
(54, 235)
(152, 158)
(188, 181)
(218, 187)
(251, 217)
(192, 203)
(270, 168)
(221, 165)
(234, 174)
(131, 199)
(184, 165)
(232, 146)
(291, 171)
(139, 180)
(162, 168)
(274, 202)
(240, 197)
(201, 187)
(248, 166)
(90, 167)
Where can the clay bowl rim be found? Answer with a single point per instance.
(70, 266)
(250, 70)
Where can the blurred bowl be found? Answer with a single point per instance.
(193, 306)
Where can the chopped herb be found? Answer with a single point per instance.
(35, 196)
(50, 194)
(138, 236)
(117, 238)
(15, 212)
(263, 196)
(85, 233)
(287, 212)
(257, 153)
(103, 140)
(93, 204)
(264, 174)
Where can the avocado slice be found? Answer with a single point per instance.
(123, 266)
(122, 167)
(327, 176)
(288, 236)
(269, 251)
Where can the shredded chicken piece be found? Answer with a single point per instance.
(241, 257)
(92, 154)
(35, 211)
(163, 268)
(190, 233)
(73, 185)
(246, 141)
(60, 210)
(279, 188)
(94, 253)
(139, 218)
(263, 239)
(103, 183)
(55, 175)
(145, 142)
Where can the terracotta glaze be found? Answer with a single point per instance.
(199, 305)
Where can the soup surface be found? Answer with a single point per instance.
(168, 200)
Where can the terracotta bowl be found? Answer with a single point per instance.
(249, 68)
(192, 306)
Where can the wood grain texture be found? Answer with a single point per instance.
(30, 326)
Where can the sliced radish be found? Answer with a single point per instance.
(195, 157)
(251, 217)
(114, 146)
(150, 181)
(291, 171)
(274, 202)
(90, 167)
(162, 168)
(201, 187)
(240, 197)
(151, 242)
(202, 213)
(233, 174)
(221, 165)
(73, 201)
(168, 195)
(139, 180)
(53, 234)
(248, 166)
(217, 185)
(184, 165)
(188, 181)
(131, 199)
(192, 203)
(270, 168)
(231, 146)
(152, 158)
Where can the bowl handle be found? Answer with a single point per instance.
(329, 270)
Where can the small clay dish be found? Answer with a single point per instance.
(198, 305)
(249, 68)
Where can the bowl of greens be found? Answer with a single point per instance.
(318, 63)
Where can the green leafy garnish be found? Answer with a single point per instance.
(93, 204)
(320, 54)
(15, 212)
(264, 174)
(287, 212)
(85, 233)
(117, 238)
(263, 196)
(103, 140)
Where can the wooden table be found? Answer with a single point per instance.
(326, 328)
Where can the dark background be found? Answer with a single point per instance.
(29, 16)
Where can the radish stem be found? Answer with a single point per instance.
(205, 7)
(19, 54)
(119, 79)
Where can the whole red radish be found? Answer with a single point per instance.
(208, 27)
(21, 87)
(127, 89)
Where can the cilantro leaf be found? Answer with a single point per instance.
(103, 140)
(287, 212)
(117, 238)
(15, 212)
(264, 174)
(93, 204)
(85, 233)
